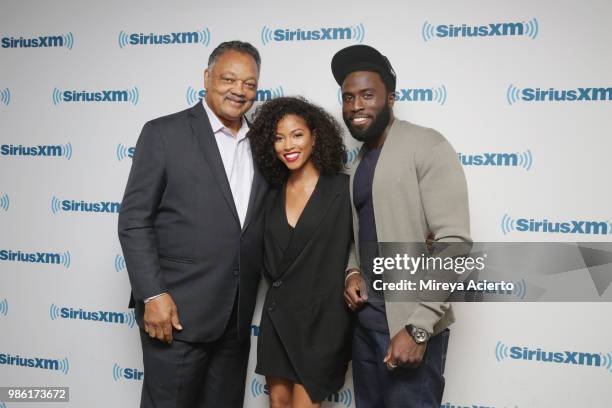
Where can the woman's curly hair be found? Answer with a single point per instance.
(328, 154)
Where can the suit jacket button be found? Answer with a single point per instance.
(277, 283)
(236, 272)
(272, 307)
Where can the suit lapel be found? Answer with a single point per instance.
(200, 125)
(314, 212)
(257, 193)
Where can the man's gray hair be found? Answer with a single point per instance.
(238, 46)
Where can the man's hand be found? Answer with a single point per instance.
(160, 317)
(404, 351)
(355, 292)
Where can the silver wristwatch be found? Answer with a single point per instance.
(419, 335)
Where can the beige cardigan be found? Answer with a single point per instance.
(419, 188)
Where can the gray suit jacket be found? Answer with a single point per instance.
(419, 188)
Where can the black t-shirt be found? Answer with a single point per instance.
(373, 315)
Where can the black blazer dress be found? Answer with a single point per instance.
(305, 326)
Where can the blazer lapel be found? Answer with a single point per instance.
(314, 212)
(200, 125)
(257, 192)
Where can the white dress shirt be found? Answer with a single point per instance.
(237, 160)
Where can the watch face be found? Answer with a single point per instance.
(420, 335)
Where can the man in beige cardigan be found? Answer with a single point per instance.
(406, 185)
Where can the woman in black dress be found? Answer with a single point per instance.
(303, 347)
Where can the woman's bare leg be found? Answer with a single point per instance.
(280, 392)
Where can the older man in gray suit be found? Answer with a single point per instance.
(407, 185)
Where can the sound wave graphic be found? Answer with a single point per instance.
(119, 263)
(55, 205)
(440, 95)
(64, 366)
(54, 311)
(501, 351)
(351, 155)
(134, 95)
(532, 28)
(358, 32)
(122, 39)
(65, 259)
(5, 202)
(266, 35)
(56, 96)
(606, 361)
(521, 289)
(4, 307)
(67, 151)
(192, 95)
(121, 152)
(204, 37)
(117, 372)
(344, 397)
(513, 94)
(525, 160)
(507, 224)
(277, 92)
(257, 388)
(130, 318)
(68, 40)
(5, 96)
(427, 31)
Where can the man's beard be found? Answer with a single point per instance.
(376, 128)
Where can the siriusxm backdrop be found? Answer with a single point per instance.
(522, 90)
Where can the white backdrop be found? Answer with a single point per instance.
(541, 160)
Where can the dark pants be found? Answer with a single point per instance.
(377, 387)
(195, 375)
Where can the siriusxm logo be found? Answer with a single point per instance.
(436, 95)
(344, 397)
(584, 227)
(122, 95)
(186, 37)
(58, 206)
(119, 263)
(5, 202)
(5, 96)
(529, 29)
(354, 33)
(64, 151)
(514, 95)
(521, 289)
(259, 388)
(503, 352)
(36, 257)
(351, 155)
(120, 373)
(43, 41)
(57, 312)
(263, 94)
(122, 152)
(4, 306)
(524, 159)
(35, 362)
